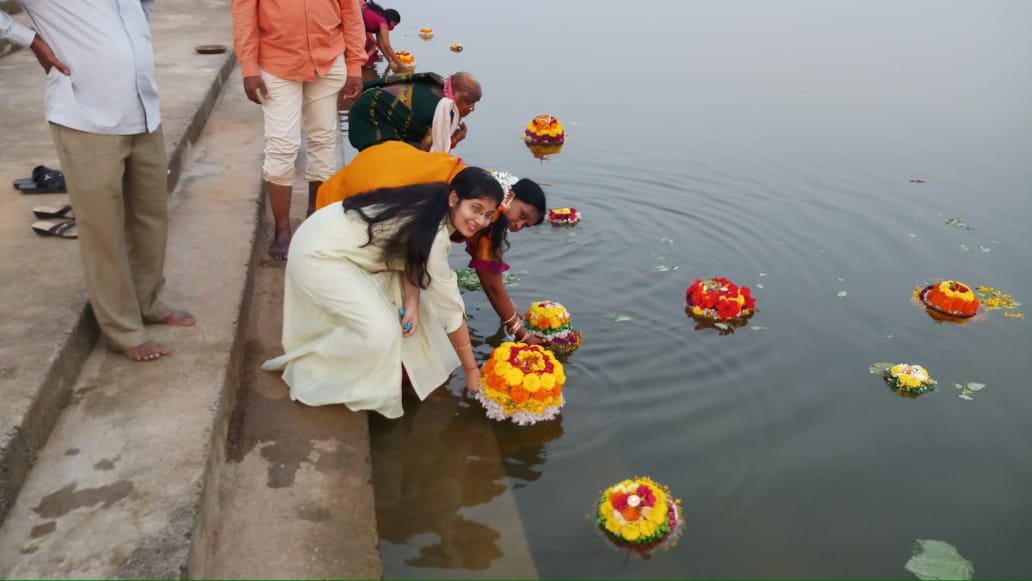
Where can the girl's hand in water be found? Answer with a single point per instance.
(473, 380)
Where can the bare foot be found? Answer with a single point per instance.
(280, 246)
(146, 351)
(179, 318)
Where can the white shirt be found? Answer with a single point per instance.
(107, 46)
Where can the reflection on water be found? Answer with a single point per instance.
(434, 465)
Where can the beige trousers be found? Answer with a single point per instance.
(117, 186)
(295, 105)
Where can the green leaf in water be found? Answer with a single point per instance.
(879, 368)
(938, 560)
(968, 390)
(468, 279)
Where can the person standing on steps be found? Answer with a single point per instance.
(102, 105)
(295, 57)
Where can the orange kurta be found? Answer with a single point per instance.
(390, 164)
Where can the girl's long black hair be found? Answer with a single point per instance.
(419, 210)
(526, 191)
(389, 14)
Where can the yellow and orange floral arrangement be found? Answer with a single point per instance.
(550, 322)
(522, 383)
(544, 130)
(639, 514)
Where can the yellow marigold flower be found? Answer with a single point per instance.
(531, 383)
(612, 525)
(548, 381)
(630, 532)
(514, 377)
(503, 367)
(647, 528)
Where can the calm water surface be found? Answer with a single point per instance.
(771, 143)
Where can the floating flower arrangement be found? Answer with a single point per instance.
(905, 379)
(544, 130)
(550, 322)
(639, 514)
(456, 47)
(426, 33)
(406, 62)
(950, 298)
(719, 299)
(522, 383)
(563, 216)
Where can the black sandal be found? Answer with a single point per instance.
(44, 180)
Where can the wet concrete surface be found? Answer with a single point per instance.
(296, 499)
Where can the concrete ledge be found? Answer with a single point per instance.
(127, 484)
(48, 332)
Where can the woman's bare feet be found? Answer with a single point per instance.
(179, 318)
(146, 351)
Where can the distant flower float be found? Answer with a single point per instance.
(563, 216)
(719, 299)
(906, 379)
(550, 322)
(456, 47)
(950, 298)
(544, 130)
(522, 383)
(639, 514)
(426, 33)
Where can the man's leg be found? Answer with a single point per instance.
(322, 126)
(93, 165)
(282, 111)
(146, 222)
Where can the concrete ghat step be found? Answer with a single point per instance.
(296, 500)
(124, 485)
(48, 330)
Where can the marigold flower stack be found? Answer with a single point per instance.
(522, 383)
(550, 322)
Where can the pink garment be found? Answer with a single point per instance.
(373, 22)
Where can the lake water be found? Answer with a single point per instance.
(773, 143)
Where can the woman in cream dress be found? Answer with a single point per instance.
(369, 290)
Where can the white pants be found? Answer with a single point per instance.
(295, 105)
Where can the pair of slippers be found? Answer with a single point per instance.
(58, 222)
(44, 180)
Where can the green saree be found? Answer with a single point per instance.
(396, 108)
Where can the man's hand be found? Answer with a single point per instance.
(352, 87)
(459, 134)
(46, 56)
(255, 89)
